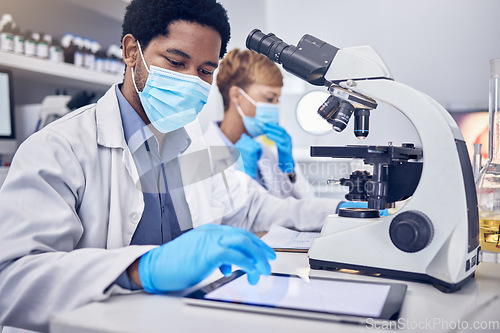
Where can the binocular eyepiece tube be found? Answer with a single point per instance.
(268, 45)
(310, 61)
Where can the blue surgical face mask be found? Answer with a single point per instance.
(265, 113)
(170, 99)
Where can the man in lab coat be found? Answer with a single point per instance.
(102, 201)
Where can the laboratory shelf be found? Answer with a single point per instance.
(61, 74)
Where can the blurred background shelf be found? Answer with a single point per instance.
(60, 74)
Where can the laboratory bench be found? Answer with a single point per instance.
(476, 307)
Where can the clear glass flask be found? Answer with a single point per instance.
(488, 182)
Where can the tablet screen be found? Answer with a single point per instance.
(308, 295)
(342, 297)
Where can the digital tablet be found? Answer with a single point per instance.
(312, 297)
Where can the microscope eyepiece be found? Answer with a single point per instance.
(309, 60)
(268, 45)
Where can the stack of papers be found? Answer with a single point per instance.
(281, 238)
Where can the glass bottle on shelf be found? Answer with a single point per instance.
(29, 44)
(68, 48)
(111, 59)
(42, 49)
(79, 51)
(36, 38)
(100, 59)
(7, 33)
(488, 182)
(56, 52)
(89, 59)
(18, 41)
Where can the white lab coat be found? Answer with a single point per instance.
(277, 182)
(71, 203)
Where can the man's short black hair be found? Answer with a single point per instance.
(147, 19)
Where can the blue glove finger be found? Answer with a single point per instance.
(280, 137)
(253, 278)
(270, 253)
(226, 270)
(281, 142)
(239, 259)
(274, 130)
(252, 251)
(273, 127)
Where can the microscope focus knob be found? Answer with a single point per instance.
(411, 231)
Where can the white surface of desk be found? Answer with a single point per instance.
(425, 309)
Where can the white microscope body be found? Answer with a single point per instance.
(434, 236)
(445, 194)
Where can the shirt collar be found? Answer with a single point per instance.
(132, 123)
(137, 132)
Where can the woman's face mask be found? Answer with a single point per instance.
(170, 99)
(265, 113)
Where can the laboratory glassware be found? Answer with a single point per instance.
(488, 183)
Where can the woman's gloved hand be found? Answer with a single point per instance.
(193, 256)
(284, 144)
(250, 151)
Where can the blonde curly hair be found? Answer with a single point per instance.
(243, 68)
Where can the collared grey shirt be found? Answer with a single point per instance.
(159, 172)
(166, 213)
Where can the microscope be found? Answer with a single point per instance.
(433, 234)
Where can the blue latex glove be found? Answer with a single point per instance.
(250, 151)
(359, 204)
(193, 256)
(284, 144)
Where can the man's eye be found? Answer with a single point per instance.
(206, 72)
(174, 63)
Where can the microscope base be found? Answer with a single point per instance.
(393, 274)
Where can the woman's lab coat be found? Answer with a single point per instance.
(277, 183)
(71, 203)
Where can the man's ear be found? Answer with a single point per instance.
(130, 51)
